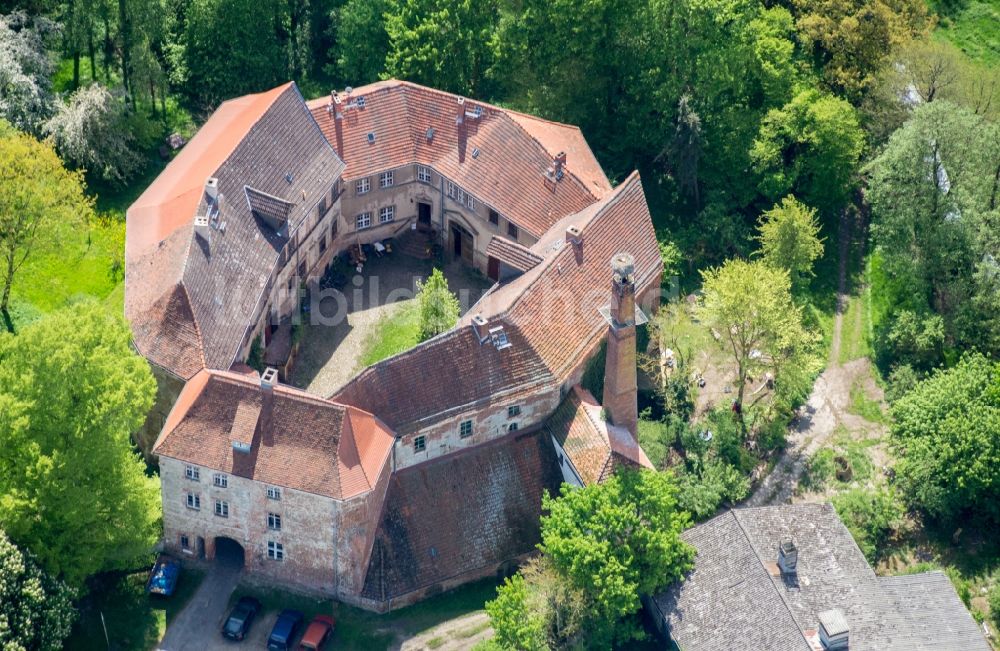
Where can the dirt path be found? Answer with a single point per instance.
(453, 635)
(826, 408)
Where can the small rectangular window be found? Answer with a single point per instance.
(185, 542)
(333, 230)
(220, 480)
(513, 411)
(423, 174)
(274, 521)
(452, 189)
(302, 269)
(321, 208)
(385, 179)
(512, 427)
(275, 551)
(512, 231)
(192, 472)
(494, 217)
(386, 214)
(322, 244)
(465, 429)
(273, 493)
(221, 509)
(419, 444)
(363, 221)
(362, 186)
(470, 202)
(194, 501)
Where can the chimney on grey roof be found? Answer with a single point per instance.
(834, 632)
(788, 556)
(212, 188)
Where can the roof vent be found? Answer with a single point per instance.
(788, 556)
(371, 137)
(289, 177)
(360, 102)
(481, 327)
(348, 90)
(212, 188)
(834, 630)
(499, 338)
(430, 134)
(475, 152)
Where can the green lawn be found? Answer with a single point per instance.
(396, 332)
(134, 620)
(360, 630)
(971, 25)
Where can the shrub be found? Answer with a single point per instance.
(994, 601)
(872, 517)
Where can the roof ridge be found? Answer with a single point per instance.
(770, 581)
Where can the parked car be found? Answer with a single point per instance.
(319, 631)
(288, 624)
(163, 577)
(240, 618)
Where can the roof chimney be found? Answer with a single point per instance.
(481, 327)
(212, 189)
(460, 111)
(267, 381)
(201, 226)
(620, 386)
(788, 556)
(574, 235)
(834, 631)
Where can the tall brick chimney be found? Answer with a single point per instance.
(620, 389)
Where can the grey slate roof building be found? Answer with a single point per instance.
(737, 597)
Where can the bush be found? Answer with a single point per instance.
(872, 517)
(901, 381)
(703, 492)
(994, 602)
(36, 611)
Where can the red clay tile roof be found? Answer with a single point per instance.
(191, 297)
(549, 314)
(594, 447)
(467, 511)
(515, 150)
(511, 253)
(312, 445)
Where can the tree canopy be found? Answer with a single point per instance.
(438, 307)
(36, 611)
(39, 201)
(73, 490)
(946, 433)
(789, 237)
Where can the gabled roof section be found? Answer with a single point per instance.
(514, 150)
(512, 254)
(268, 143)
(304, 442)
(735, 574)
(549, 315)
(594, 447)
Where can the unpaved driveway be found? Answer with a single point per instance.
(198, 626)
(453, 635)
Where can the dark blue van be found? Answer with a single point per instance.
(284, 630)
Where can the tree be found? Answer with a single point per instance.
(516, 617)
(92, 133)
(852, 39)
(615, 542)
(810, 147)
(789, 238)
(39, 201)
(439, 308)
(361, 41)
(684, 150)
(26, 68)
(73, 490)
(36, 611)
(872, 517)
(750, 305)
(934, 192)
(945, 431)
(441, 43)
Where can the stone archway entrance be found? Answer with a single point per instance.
(228, 552)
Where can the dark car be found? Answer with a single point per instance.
(284, 630)
(163, 577)
(319, 631)
(240, 618)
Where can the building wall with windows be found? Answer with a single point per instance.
(486, 422)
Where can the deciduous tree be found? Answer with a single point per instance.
(26, 67)
(789, 238)
(36, 611)
(439, 308)
(39, 200)
(73, 490)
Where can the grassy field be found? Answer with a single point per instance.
(397, 331)
(134, 620)
(972, 25)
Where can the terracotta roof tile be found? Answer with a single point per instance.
(460, 513)
(594, 447)
(513, 254)
(514, 150)
(267, 141)
(311, 444)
